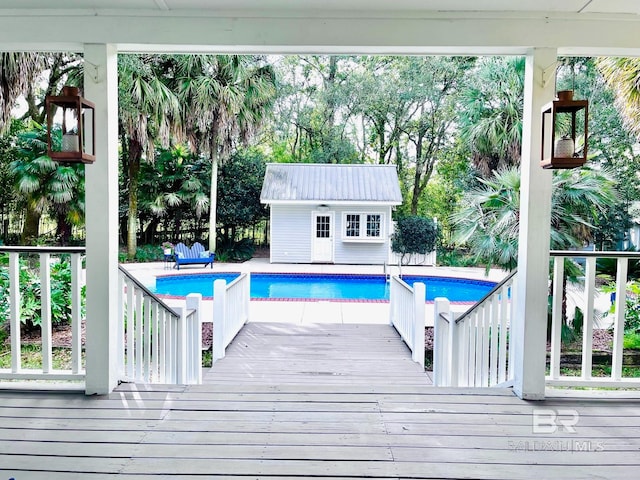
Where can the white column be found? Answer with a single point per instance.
(101, 87)
(530, 322)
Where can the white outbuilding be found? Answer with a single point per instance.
(326, 213)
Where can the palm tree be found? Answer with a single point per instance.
(17, 72)
(489, 219)
(174, 188)
(623, 76)
(47, 186)
(225, 98)
(491, 117)
(149, 111)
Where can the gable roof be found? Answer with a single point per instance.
(329, 183)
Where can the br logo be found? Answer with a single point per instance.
(549, 420)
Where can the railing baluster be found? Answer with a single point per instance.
(131, 336)
(146, 332)
(618, 323)
(45, 312)
(155, 325)
(14, 300)
(502, 339)
(76, 313)
(121, 324)
(138, 335)
(587, 328)
(512, 315)
(493, 350)
(556, 316)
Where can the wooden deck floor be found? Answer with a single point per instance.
(343, 354)
(288, 418)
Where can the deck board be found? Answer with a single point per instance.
(284, 404)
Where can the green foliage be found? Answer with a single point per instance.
(632, 341)
(632, 300)
(239, 186)
(414, 234)
(149, 253)
(488, 221)
(455, 257)
(232, 251)
(45, 186)
(30, 294)
(491, 122)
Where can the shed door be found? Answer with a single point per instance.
(322, 247)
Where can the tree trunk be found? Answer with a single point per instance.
(31, 228)
(63, 229)
(135, 154)
(213, 202)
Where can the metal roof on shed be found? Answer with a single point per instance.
(310, 182)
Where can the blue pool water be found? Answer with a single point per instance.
(323, 287)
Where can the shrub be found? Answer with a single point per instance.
(414, 234)
(632, 341)
(149, 253)
(239, 251)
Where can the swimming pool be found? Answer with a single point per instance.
(338, 287)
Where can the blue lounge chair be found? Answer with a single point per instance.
(196, 255)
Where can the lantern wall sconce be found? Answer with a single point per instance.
(78, 127)
(564, 120)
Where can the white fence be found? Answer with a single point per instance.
(42, 259)
(413, 259)
(407, 314)
(158, 344)
(588, 264)
(230, 311)
(472, 350)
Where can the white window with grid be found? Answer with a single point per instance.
(363, 227)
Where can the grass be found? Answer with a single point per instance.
(600, 371)
(31, 357)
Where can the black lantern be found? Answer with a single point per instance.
(78, 127)
(564, 120)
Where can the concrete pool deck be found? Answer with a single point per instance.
(305, 312)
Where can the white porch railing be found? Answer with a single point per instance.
(45, 258)
(157, 343)
(230, 311)
(407, 314)
(473, 350)
(586, 378)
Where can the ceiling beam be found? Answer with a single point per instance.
(441, 34)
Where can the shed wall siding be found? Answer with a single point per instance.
(290, 234)
(361, 252)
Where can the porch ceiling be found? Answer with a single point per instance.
(580, 27)
(622, 7)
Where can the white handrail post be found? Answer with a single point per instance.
(219, 313)
(441, 306)
(194, 302)
(181, 342)
(419, 297)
